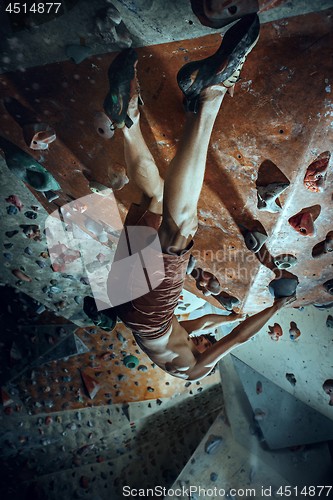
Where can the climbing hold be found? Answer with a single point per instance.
(28, 251)
(191, 264)
(259, 387)
(142, 368)
(21, 275)
(77, 53)
(283, 287)
(32, 232)
(303, 223)
(227, 301)
(213, 476)
(91, 385)
(8, 256)
(328, 388)
(93, 226)
(10, 234)
(120, 337)
(254, 240)
(103, 125)
(26, 168)
(50, 196)
(259, 414)
(5, 398)
(117, 177)
(294, 331)
(212, 444)
(131, 361)
(291, 378)
(11, 210)
(314, 179)
(322, 307)
(323, 247)
(275, 331)
(15, 200)
(41, 263)
(329, 321)
(109, 15)
(84, 482)
(30, 215)
(206, 282)
(98, 188)
(328, 285)
(78, 299)
(285, 261)
(268, 195)
(38, 136)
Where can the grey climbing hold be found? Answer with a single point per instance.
(8, 256)
(41, 263)
(283, 287)
(120, 337)
(28, 251)
(78, 299)
(131, 361)
(191, 264)
(142, 368)
(285, 261)
(40, 309)
(8, 245)
(213, 476)
(322, 307)
(212, 444)
(329, 321)
(328, 285)
(254, 240)
(268, 195)
(78, 53)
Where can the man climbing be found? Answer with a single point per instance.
(170, 206)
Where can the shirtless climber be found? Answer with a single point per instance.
(170, 206)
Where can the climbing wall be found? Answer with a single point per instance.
(284, 99)
(294, 350)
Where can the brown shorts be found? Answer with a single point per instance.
(150, 315)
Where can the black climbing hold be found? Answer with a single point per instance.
(291, 378)
(30, 215)
(10, 234)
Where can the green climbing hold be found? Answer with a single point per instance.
(130, 361)
(26, 168)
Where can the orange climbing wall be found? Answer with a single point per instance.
(281, 112)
